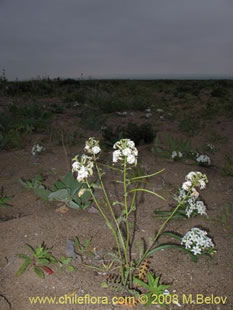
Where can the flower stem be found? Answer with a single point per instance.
(162, 226)
(109, 224)
(126, 215)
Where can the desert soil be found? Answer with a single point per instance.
(33, 221)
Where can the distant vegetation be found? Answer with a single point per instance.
(109, 96)
(189, 103)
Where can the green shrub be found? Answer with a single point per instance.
(139, 134)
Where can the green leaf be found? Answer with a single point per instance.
(42, 261)
(165, 214)
(151, 281)
(59, 185)
(140, 283)
(42, 193)
(60, 195)
(31, 248)
(87, 243)
(176, 246)
(23, 268)
(72, 204)
(171, 234)
(26, 257)
(26, 184)
(70, 268)
(66, 261)
(77, 242)
(146, 191)
(39, 272)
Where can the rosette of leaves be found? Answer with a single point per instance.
(68, 190)
(151, 287)
(168, 144)
(73, 193)
(4, 198)
(40, 258)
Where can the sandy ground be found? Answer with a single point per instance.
(33, 221)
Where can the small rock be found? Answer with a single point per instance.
(148, 110)
(70, 252)
(93, 210)
(160, 110)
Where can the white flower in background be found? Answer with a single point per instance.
(203, 160)
(125, 148)
(92, 146)
(83, 168)
(196, 241)
(211, 147)
(36, 149)
(176, 154)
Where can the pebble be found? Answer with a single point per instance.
(93, 210)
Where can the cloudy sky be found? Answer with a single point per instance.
(115, 37)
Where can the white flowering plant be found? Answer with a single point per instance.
(173, 148)
(197, 241)
(176, 155)
(37, 149)
(120, 215)
(203, 160)
(190, 204)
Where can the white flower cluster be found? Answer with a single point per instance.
(196, 241)
(193, 204)
(176, 154)
(195, 179)
(36, 149)
(92, 146)
(125, 148)
(211, 147)
(203, 160)
(84, 167)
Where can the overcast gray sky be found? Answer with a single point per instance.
(105, 37)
